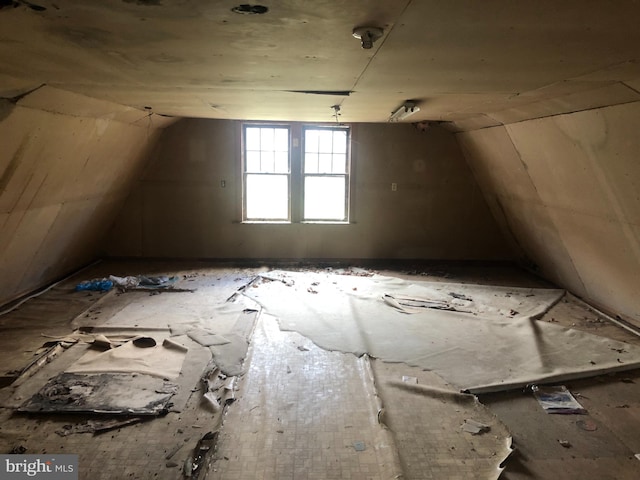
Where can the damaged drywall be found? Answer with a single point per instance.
(66, 165)
(566, 189)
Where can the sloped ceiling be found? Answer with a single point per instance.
(478, 63)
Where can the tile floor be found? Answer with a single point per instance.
(303, 413)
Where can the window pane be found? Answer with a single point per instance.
(266, 139)
(252, 138)
(339, 163)
(253, 162)
(310, 163)
(324, 163)
(281, 140)
(339, 141)
(282, 162)
(311, 141)
(326, 141)
(324, 198)
(266, 162)
(267, 197)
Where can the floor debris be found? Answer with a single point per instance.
(587, 425)
(414, 305)
(194, 465)
(206, 337)
(219, 389)
(474, 427)
(131, 283)
(104, 393)
(173, 451)
(97, 426)
(557, 399)
(359, 446)
(463, 454)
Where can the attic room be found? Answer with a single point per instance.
(319, 240)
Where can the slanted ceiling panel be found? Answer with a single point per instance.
(515, 203)
(63, 178)
(584, 177)
(614, 94)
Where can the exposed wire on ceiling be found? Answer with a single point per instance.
(336, 112)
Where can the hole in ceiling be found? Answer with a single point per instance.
(146, 3)
(247, 9)
(336, 93)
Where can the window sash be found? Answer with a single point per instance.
(267, 197)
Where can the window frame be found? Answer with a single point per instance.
(245, 173)
(296, 175)
(346, 175)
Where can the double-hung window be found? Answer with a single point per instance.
(295, 173)
(267, 172)
(325, 167)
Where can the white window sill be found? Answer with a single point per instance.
(286, 222)
(325, 222)
(266, 222)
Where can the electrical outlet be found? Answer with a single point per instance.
(394, 187)
(223, 183)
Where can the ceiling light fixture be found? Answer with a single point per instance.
(367, 35)
(405, 110)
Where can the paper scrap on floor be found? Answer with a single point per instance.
(487, 339)
(557, 399)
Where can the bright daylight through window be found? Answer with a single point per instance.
(307, 182)
(267, 170)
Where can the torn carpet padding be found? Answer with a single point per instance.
(102, 393)
(206, 338)
(195, 363)
(189, 310)
(223, 326)
(484, 339)
(230, 355)
(163, 360)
